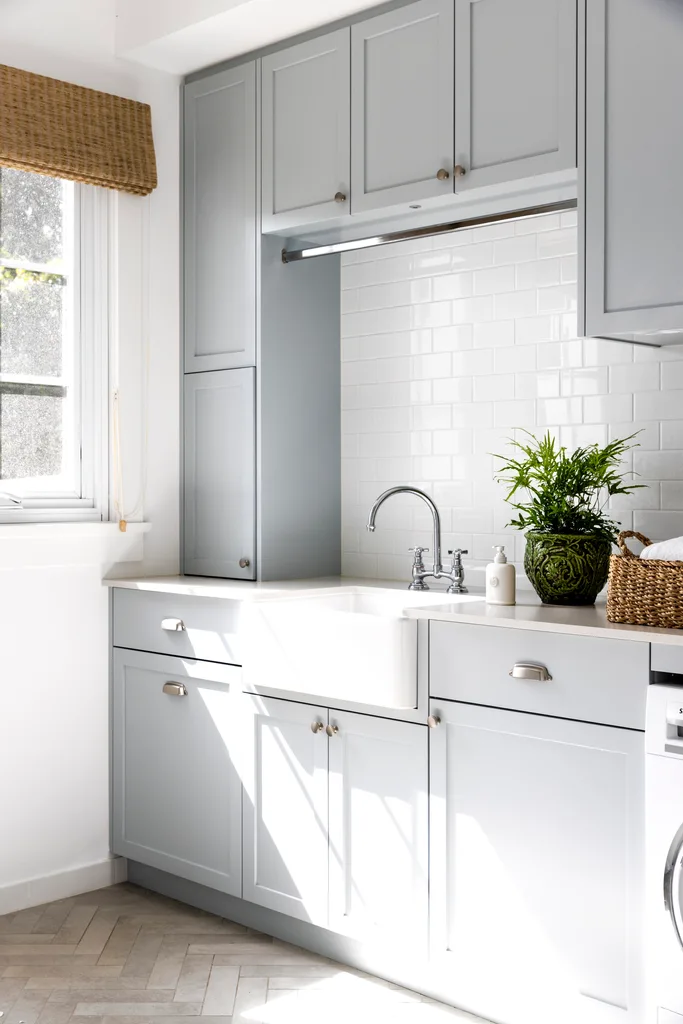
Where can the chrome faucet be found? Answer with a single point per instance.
(456, 575)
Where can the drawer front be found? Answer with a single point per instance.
(208, 628)
(667, 658)
(593, 679)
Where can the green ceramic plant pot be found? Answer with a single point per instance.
(566, 568)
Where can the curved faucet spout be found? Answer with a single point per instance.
(432, 507)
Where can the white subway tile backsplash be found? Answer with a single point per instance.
(494, 387)
(511, 305)
(541, 384)
(514, 359)
(453, 339)
(499, 333)
(452, 346)
(558, 411)
(605, 408)
(659, 405)
(515, 250)
(590, 380)
(632, 377)
(453, 389)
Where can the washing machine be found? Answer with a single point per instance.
(664, 852)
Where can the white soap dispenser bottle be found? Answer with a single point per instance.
(500, 579)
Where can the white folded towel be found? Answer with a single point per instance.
(666, 550)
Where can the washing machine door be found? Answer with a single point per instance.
(664, 888)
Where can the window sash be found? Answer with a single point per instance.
(83, 493)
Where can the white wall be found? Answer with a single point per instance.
(53, 607)
(450, 343)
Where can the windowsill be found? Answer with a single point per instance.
(43, 545)
(66, 531)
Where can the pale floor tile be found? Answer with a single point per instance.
(97, 933)
(221, 992)
(193, 979)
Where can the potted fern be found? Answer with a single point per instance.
(560, 500)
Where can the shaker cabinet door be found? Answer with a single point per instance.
(536, 837)
(633, 168)
(219, 232)
(177, 802)
(285, 807)
(378, 830)
(219, 529)
(306, 132)
(402, 106)
(515, 90)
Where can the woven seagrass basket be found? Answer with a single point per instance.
(643, 591)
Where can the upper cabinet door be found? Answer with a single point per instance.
(220, 474)
(307, 132)
(402, 106)
(633, 167)
(515, 90)
(378, 830)
(220, 220)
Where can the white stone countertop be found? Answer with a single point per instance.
(528, 613)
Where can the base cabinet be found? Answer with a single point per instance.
(335, 820)
(177, 796)
(536, 864)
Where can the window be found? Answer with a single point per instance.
(51, 394)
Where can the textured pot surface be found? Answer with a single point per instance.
(566, 568)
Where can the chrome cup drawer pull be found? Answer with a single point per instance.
(173, 625)
(175, 689)
(524, 670)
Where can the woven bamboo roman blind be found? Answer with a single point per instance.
(64, 130)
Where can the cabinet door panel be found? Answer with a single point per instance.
(177, 794)
(285, 808)
(633, 166)
(536, 840)
(378, 830)
(515, 89)
(306, 131)
(402, 105)
(220, 456)
(220, 220)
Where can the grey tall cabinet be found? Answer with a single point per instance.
(261, 395)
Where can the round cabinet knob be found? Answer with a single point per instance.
(459, 171)
(317, 726)
(244, 563)
(340, 197)
(442, 174)
(331, 730)
(433, 721)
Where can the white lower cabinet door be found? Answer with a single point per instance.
(536, 866)
(177, 795)
(284, 769)
(378, 829)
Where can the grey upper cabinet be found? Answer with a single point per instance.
(402, 106)
(515, 90)
(220, 220)
(633, 168)
(177, 795)
(220, 485)
(306, 132)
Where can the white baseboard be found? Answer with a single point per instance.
(36, 891)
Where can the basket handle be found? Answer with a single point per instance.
(621, 541)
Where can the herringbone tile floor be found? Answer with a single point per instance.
(127, 956)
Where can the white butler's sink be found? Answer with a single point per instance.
(353, 644)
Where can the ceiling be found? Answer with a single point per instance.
(177, 36)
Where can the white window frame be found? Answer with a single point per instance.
(93, 231)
